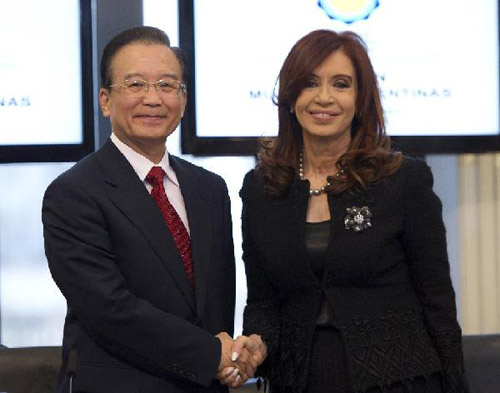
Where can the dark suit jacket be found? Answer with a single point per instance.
(389, 286)
(133, 321)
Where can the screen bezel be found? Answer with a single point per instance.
(66, 152)
(193, 144)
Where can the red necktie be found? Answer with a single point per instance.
(172, 219)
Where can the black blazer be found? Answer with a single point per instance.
(133, 321)
(389, 285)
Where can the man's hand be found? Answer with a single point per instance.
(247, 354)
(227, 370)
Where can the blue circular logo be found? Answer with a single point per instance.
(348, 11)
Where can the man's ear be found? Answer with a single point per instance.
(184, 102)
(104, 101)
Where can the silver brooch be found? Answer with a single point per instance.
(358, 218)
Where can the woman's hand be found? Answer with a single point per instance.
(247, 354)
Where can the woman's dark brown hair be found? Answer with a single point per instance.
(369, 158)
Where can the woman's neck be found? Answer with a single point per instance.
(319, 159)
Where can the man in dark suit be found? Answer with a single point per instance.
(140, 242)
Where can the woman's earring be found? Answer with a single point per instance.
(291, 110)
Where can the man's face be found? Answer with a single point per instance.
(143, 120)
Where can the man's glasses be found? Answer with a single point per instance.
(167, 87)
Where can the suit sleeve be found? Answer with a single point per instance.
(229, 283)
(261, 315)
(425, 247)
(83, 264)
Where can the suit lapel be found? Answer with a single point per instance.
(198, 211)
(128, 193)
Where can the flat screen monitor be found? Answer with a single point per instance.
(437, 64)
(46, 110)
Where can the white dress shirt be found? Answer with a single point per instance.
(142, 166)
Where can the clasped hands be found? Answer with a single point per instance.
(239, 358)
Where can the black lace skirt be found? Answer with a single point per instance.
(328, 371)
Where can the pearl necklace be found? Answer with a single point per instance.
(315, 191)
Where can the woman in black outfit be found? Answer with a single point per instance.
(343, 240)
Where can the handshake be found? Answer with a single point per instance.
(239, 358)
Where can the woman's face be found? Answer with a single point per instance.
(326, 105)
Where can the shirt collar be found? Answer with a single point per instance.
(141, 164)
